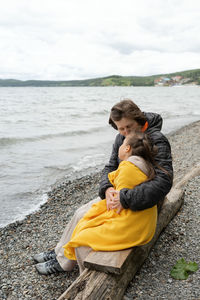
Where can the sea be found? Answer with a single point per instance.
(53, 134)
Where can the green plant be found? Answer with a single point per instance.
(182, 269)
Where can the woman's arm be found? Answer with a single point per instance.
(111, 166)
(149, 193)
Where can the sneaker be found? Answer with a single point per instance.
(44, 256)
(49, 267)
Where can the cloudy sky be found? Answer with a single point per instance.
(79, 39)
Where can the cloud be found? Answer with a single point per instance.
(65, 39)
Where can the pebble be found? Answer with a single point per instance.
(41, 231)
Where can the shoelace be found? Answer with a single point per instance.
(49, 255)
(51, 266)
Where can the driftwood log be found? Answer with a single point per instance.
(108, 274)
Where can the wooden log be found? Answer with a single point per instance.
(112, 261)
(94, 284)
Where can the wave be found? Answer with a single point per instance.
(58, 168)
(16, 140)
(88, 114)
(101, 113)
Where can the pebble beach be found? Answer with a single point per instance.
(41, 231)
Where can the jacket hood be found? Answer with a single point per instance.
(154, 120)
(139, 162)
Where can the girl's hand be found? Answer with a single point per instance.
(110, 195)
(116, 202)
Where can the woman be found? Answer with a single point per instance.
(126, 116)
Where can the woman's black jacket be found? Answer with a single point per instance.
(148, 193)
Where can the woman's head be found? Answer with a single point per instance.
(126, 116)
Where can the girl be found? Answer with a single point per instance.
(113, 228)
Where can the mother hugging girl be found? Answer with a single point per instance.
(133, 184)
(113, 228)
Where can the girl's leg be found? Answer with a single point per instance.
(65, 263)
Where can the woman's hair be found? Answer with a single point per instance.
(142, 146)
(126, 109)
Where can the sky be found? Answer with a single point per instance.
(81, 39)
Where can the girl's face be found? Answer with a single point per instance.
(124, 151)
(126, 126)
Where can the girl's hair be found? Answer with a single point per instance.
(142, 146)
(126, 109)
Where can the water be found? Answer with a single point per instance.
(47, 134)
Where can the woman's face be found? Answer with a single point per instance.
(126, 126)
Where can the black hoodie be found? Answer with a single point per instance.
(148, 193)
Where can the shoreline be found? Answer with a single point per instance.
(42, 229)
(62, 190)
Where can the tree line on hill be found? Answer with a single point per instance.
(193, 76)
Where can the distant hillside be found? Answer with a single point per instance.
(192, 76)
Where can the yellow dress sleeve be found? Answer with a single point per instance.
(126, 176)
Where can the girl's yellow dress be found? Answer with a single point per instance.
(104, 230)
